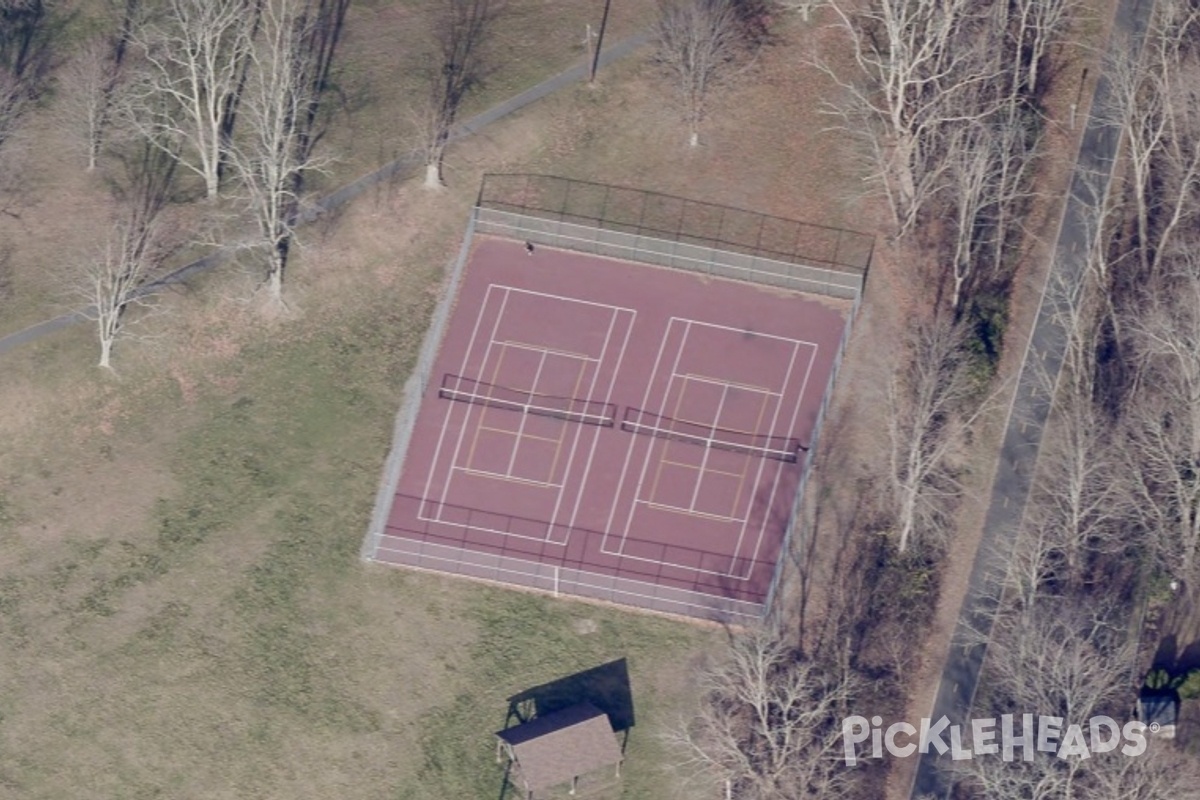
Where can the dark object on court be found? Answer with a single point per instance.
(647, 423)
(639, 212)
(529, 248)
(571, 409)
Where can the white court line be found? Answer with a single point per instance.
(537, 348)
(744, 332)
(597, 366)
(512, 461)
(812, 359)
(462, 431)
(687, 512)
(437, 452)
(612, 512)
(637, 491)
(605, 579)
(762, 465)
(705, 379)
(612, 381)
(508, 291)
(553, 296)
(485, 529)
(708, 450)
(500, 476)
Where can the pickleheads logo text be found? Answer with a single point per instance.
(1010, 737)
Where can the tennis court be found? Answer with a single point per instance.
(602, 428)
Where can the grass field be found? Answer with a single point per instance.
(379, 69)
(182, 608)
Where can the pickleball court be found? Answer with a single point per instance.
(614, 430)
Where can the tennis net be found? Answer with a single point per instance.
(571, 409)
(646, 423)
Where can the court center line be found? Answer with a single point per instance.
(564, 430)
(510, 478)
(437, 452)
(646, 461)
(612, 382)
(737, 497)
(512, 459)
(762, 465)
(688, 512)
(812, 358)
(550, 350)
(511, 432)
(483, 412)
(712, 471)
(664, 447)
(708, 449)
(487, 354)
(617, 499)
(734, 384)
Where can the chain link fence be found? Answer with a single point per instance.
(640, 248)
(644, 227)
(796, 520)
(414, 391)
(677, 232)
(655, 580)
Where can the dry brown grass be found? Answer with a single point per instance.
(182, 610)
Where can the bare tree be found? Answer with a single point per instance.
(1159, 772)
(1163, 414)
(768, 725)
(1037, 27)
(192, 56)
(115, 286)
(922, 65)
(1054, 659)
(928, 407)
(1079, 508)
(804, 8)
(275, 153)
(27, 30)
(971, 185)
(114, 280)
(1065, 663)
(699, 43)
(460, 32)
(89, 83)
(1154, 105)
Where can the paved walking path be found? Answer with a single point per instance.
(402, 166)
(1027, 415)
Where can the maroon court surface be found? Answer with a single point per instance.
(628, 424)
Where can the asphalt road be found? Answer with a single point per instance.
(1027, 417)
(401, 167)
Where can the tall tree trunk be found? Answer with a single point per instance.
(433, 175)
(275, 277)
(105, 351)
